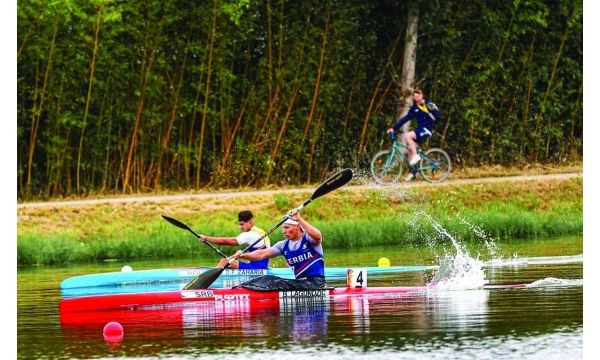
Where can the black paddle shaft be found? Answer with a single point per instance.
(181, 225)
(336, 181)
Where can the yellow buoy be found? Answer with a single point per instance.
(383, 262)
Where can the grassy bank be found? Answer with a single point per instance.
(473, 213)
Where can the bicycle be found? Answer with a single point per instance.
(387, 166)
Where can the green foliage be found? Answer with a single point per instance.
(412, 230)
(282, 202)
(238, 80)
(475, 213)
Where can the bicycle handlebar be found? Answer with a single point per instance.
(392, 135)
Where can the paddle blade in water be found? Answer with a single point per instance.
(335, 181)
(204, 280)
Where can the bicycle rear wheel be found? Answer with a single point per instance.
(435, 166)
(386, 170)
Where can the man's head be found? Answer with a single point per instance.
(291, 229)
(245, 220)
(418, 96)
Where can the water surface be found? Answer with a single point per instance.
(544, 322)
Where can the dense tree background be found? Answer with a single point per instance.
(131, 95)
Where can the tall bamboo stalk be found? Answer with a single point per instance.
(363, 133)
(213, 34)
(37, 110)
(549, 87)
(144, 74)
(88, 98)
(319, 75)
(165, 139)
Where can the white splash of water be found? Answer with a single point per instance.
(459, 271)
(488, 240)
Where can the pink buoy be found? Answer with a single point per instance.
(113, 331)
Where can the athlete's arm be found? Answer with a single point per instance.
(312, 231)
(229, 241)
(256, 255)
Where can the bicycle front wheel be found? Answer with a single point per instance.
(435, 166)
(386, 170)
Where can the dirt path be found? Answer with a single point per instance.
(224, 195)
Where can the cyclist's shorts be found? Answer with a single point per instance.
(254, 265)
(422, 134)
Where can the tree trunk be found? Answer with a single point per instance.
(88, 98)
(54, 176)
(234, 130)
(146, 66)
(526, 113)
(270, 48)
(164, 144)
(213, 34)
(319, 74)
(281, 132)
(363, 134)
(349, 106)
(409, 61)
(313, 146)
(576, 110)
(189, 150)
(37, 111)
(549, 87)
(280, 47)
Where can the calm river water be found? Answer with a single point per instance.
(540, 322)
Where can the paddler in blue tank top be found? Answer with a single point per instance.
(303, 251)
(250, 233)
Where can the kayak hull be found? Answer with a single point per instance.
(149, 300)
(185, 274)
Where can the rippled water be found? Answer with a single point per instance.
(542, 322)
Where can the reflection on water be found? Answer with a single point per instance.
(415, 324)
(458, 310)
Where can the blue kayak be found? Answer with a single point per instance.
(174, 279)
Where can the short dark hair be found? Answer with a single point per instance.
(245, 215)
(419, 91)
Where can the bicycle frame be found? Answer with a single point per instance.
(400, 147)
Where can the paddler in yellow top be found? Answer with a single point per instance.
(250, 233)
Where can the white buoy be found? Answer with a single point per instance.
(126, 268)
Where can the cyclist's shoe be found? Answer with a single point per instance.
(415, 159)
(409, 177)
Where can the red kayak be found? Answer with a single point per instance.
(149, 300)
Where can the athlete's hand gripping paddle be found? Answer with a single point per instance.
(183, 226)
(336, 181)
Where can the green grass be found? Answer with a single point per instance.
(472, 213)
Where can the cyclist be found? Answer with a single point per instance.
(426, 113)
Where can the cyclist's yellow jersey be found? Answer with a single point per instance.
(423, 108)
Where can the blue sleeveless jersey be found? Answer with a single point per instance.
(306, 260)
